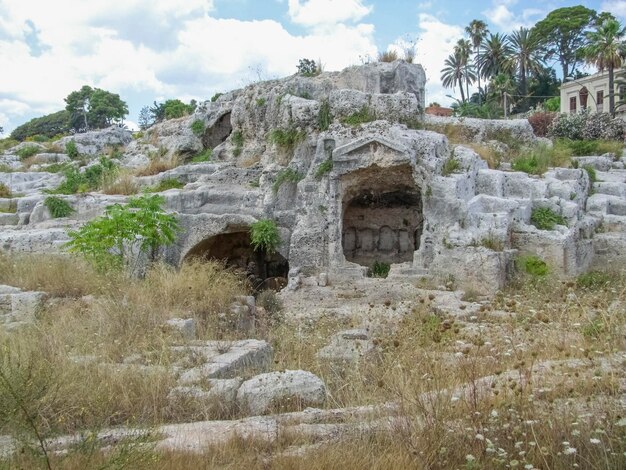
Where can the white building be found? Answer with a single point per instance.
(592, 92)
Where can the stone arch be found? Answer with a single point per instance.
(234, 249)
(382, 216)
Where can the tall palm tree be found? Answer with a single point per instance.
(477, 31)
(454, 72)
(462, 50)
(606, 50)
(526, 56)
(501, 85)
(495, 52)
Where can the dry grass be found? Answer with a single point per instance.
(123, 183)
(488, 153)
(158, 165)
(249, 162)
(431, 364)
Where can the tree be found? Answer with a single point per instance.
(176, 109)
(606, 50)
(110, 241)
(462, 49)
(453, 74)
(49, 125)
(525, 58)
(145, 118)
(308, 68)
(562, 34)
(93, 108)
(477, 31)
(494, 56)
(501, 85)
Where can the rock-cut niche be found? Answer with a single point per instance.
(235, 251)
(218, 132)
(382, 216)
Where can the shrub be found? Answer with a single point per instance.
(112, 239)
(595, 280)
(93, 178)
(553, 104)
(387, 56)
(27, 151)
(325, 167)
(197, 127)
(324, 118)
(238, 140)
(364, 115)
(540, 122)
(165, 184)
(122, 184)
(58, 207)
(533, 266)
(532, 164)
(545, 218)
(287, 175)
(286, 139)
(270, 302)
(585, 125)
(451, 165)
(591, 171)
(264, 236)
(379, 269)
(203, 156)
(260, 102)
(5, 191)
(215, 97)
(71, 150)
(308, 68)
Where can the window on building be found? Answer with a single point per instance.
(600, 101)
(572, 104)
(583, 94)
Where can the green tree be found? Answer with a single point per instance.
(49, 125)
(525, 58)
(562, 33)
(462, 49)
(93, 108)
(117, 237)
(606, 50)
(477, 31)
(453, 74)
(495, 55)
(176, 108)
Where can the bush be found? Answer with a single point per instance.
(379, 269)
(197, 127)
(533, 266)
(112, 239)
(165, 184)
(540, 122)
(264, 236)
(545, 218)
(585, 125)
(533, 164)
(388, 56)
(591, 171)
(270, 302)
(174, 109)
(238, 140)
(325, 167)
(260, 102)
(71, 150)
(58, 207)
(308, 68)
(5, 191)
(595, 280)
(451, 165)
(364, 115)
(48, 126)
(215, 97)
(553, 104)
(286, 138)
(324, 118)
(27, 152)
(91, 179)
(287, 175)
(203, 156)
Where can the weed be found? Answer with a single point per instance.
(255, 183)
(545, 218)
(286, 139)
(533, 265)
(452, 165)
(123, 184)
(238, 141)
(215, 97)
(362, 116)
(27, 152)
(287, 175)
(157, 165)
(533, 164)
(270, 302)
(58, 207)
(5, 191)
(264, 235)
(591, 172)
(324, 118)
(388, 56)
(71, 150)
(595, 280)
(198, 127)
(202, 157)
(379, 269)
(325, 167)
(165, 184)
(260, 102)
(492, 243)
(594, 329)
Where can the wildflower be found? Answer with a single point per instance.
(470, 458)
(570, 451)
(480, 437)
(593, 440)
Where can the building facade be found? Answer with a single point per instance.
(592, 92)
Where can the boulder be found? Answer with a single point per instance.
(275, 390)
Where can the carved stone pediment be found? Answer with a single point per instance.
(367, 145)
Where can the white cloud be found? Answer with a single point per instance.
(93, 43)
(617, 7)
(327, 12)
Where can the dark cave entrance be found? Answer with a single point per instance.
(263, 271)
(218, 132)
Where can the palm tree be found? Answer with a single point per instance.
(526, 58)
(453, 74)
(462, 50)
(477, 31)
(494, 55)
(606, 50)
(501, 85)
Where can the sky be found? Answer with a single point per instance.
(147, 50)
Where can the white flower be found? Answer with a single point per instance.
(480, 437)
(569, 451)
(470, 458)
(593, 440)
(494, 414)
